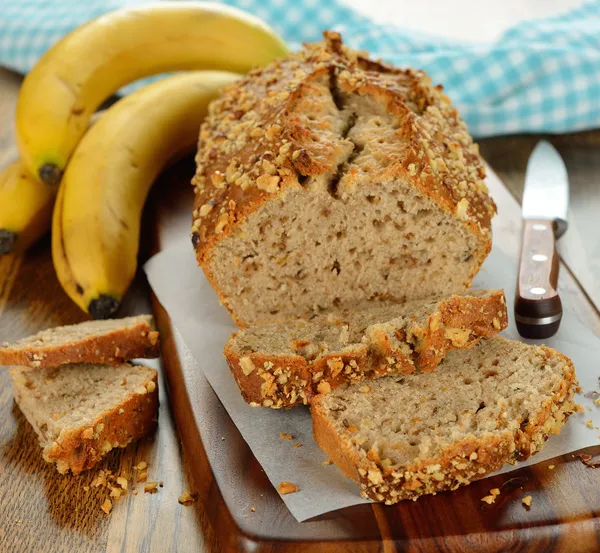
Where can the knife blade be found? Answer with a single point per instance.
(538, 309)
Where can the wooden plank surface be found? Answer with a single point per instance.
(38, 506)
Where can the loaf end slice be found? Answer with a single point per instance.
(405, 436)
(81, 412)
(110, 341)
(285, 364)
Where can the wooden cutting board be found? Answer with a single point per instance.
(566, 501)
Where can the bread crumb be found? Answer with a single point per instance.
(527, 500)
(151, 487)
(141, 466)
(187, 498)
(115, 492)
(287, 487)
(286, 436)
(106, 506)
(122, 482)
(489, 499)
(579, 408)
(550, 467)
(327, 462)
(589, 424)
(253, 509)
(495, 491)
(297, 445)
(142, 477)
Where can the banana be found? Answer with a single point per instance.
(96, 221)
(25, 208)
(76, 75)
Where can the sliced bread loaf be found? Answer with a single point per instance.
(283, 364)
(111, 341)
(404, 436)
(81, 412)
(327, 178)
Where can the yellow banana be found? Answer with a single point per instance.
(76, 75)
(96, 222)
(25, 208)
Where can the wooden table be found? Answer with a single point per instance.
(42, 511)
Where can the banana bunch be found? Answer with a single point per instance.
(105, 172)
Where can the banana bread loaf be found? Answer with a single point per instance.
(327, 180)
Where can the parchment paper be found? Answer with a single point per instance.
(205, 327)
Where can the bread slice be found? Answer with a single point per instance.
(401, 437)
(328, 179)
(81, 412)
(283, 364)
(110, 341)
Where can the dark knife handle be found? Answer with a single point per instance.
(538, 308)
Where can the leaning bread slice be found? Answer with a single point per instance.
(111, 341)
(401, 437)
(81, 412)
(283, 364)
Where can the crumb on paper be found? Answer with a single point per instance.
(142, 477)
(597, 401)
(297, 445)
(286, 436)
(579, 408)
(578, 389)
(253, 509)
(489, 499)
(151, 487)
(327, 462)
(106, 506)
(287, 487)
(495, 491)
(141, 466)
(527, 500)
(550, 467)
(222, 438)
(589, 424)
(187, 498)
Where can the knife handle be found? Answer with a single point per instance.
(538, 308)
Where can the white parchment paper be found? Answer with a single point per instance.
(205, 327)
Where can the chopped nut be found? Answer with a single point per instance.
(323, 387)
(106, 506)
(496, 323)
(364, 389)
(495, 491)
(589, 424)
(268, 183)
(151, 487)
(221, 223)
(462, 208)
(187, 498)
(122, 482)
(527, 500)
(88, 434)
(579, 408)
(253, 509)
(151, 386)
(489, 499)
(287, 487)
(142, 477)
(141, 465)
(141, 390)
(247, 365)
(286, 436)
(550, 467)
(121, 411)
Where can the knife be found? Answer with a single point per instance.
(538, 309)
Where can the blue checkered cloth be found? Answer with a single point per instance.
(539, 76)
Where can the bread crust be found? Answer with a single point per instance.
(111, 348)
(81, 448)
(459, 464)
(287, 380)
(254, 144)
